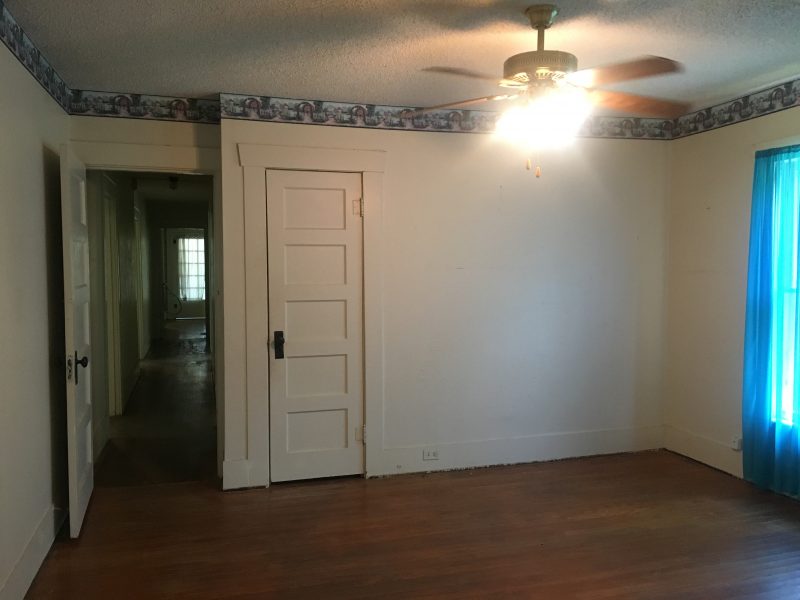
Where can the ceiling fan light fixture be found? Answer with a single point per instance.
(549, 120)
(539, 65)
(559, 94)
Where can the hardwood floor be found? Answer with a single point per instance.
(641, 526)
(168, 431)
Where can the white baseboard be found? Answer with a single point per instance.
(703, 449)
(534, 448)
(21, 577)
(239, 474)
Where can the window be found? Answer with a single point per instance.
(191, 268)
(771, 385)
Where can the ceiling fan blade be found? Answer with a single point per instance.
(647, 66)
(468, 102)
(462, 73)
(640, 105)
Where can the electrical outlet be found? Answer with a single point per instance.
(430, 454)
(736, 444)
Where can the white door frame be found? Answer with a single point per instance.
(109, 156)
(255, 160)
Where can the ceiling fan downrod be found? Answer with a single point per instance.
(542, 17)
(539, 67)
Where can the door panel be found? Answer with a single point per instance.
(315, 264)
(317, 320)
(75, 232)
(315, 298)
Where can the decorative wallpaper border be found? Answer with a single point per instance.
(143, 106)
(639, 128)
(21, 46)
(342, 114)
(758, 104)
(375, 116)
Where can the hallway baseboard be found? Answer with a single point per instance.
(24, 572)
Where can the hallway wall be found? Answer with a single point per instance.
(32, 386)
(144, 298)
(127, 258)
(99, 312)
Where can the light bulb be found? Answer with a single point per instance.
(550, 120)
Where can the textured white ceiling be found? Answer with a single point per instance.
(372, 51)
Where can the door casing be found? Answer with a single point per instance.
(154, 158)
(255, 160)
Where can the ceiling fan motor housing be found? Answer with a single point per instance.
(541, 66)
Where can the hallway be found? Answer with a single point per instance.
(168, 431)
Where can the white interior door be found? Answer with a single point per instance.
(75, 231)
(315, 304)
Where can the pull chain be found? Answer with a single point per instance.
(537, 172)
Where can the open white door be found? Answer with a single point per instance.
(75, 232)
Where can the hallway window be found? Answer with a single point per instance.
(192, 268)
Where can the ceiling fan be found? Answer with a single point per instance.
(530, 75)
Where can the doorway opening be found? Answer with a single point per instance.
(150, 247)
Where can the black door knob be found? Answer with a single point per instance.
(279, 341)
(84, 362)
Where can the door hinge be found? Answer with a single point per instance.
(361, 434)
(358, 207)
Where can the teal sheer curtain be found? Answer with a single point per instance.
(771, 394)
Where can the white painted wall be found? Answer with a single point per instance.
(32, 393)
(180, 136)
(709, 228)
(522, 316)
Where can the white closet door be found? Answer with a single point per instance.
(315, 282)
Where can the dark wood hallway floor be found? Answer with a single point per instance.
(649, 526)
(168, 431)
